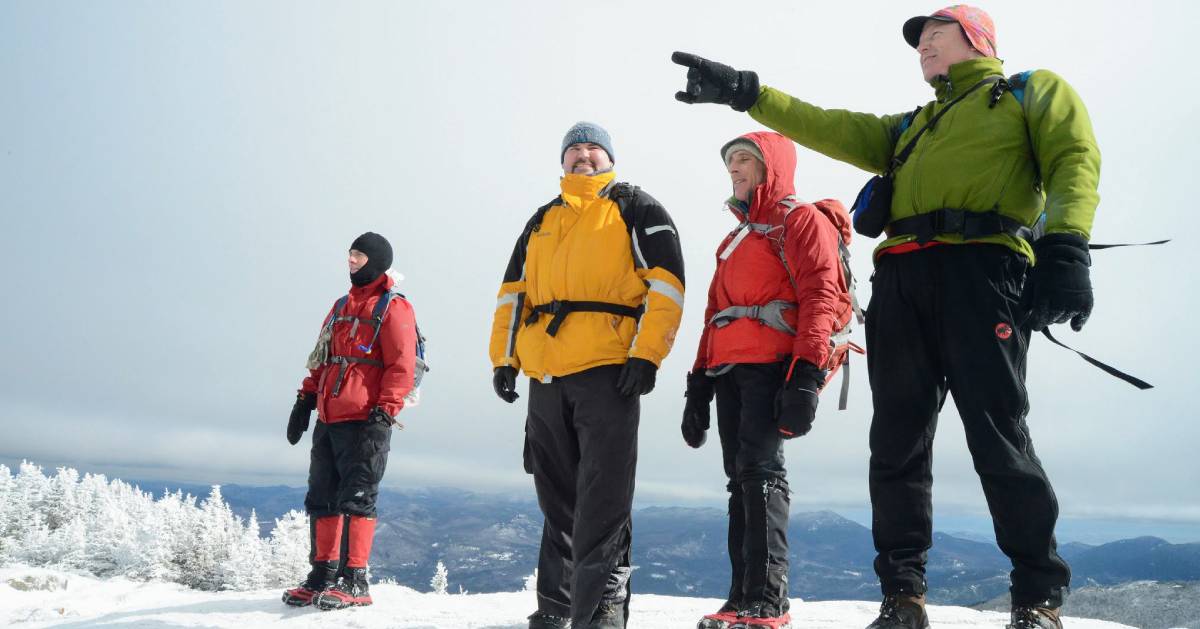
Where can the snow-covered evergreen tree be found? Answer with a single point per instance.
(440, 580)
(247, 562)
(289, 549)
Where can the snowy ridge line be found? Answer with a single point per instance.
(59, 599)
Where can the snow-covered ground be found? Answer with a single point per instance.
(36, 597)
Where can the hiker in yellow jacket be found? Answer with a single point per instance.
(588, 309)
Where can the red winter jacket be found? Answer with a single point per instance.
(753, 273)
(367, 386)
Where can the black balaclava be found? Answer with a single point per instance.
(379, 258)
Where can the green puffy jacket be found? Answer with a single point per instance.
(1016, 158)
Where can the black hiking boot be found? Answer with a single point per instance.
(350, 591)
(722, 619)
(763, 615)
(542, 620)
(1034, 618)
(322, 576)
(608, 615)
(901, 612)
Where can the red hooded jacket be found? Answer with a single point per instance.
(753, 273)
(367, 386)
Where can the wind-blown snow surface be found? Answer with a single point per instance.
(58, 599)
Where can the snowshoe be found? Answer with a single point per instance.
(722, 619)
(350, 591)
(1034, 618)
(320, 578)
(542, 620)
(762, 615)
(901, 612)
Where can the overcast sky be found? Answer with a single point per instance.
(179, 183)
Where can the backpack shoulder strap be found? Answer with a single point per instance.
(1016, 85)
(535, 223)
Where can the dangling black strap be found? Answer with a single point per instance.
(1112, 371)
(1127, 244)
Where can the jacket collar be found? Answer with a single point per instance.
(964, 74)
(580, 189)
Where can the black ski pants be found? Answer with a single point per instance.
(752, 451)
(581, 447)
(346, 464)
(944, 319)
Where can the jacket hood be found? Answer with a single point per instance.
(779, 155)
(837, 214)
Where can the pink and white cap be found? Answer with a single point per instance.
(975, 22)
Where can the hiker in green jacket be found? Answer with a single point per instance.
(1006, 162)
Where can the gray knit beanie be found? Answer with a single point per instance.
(587, 132)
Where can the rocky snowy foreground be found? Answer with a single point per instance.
(36, 597)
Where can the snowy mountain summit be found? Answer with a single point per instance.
(39, 597)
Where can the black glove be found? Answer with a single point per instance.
(1059, 287)
(637, 377)
(380, 416)
(301, 412)
(712, 82)
(504, 381)
(796, 402)
(695, 410)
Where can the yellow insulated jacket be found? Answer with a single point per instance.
(596, 278)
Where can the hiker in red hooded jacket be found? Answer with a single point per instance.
(777, 296)
(359, 375)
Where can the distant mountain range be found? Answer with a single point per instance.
(489, 543)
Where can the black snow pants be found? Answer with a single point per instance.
(944, 319)
(581, 447)
(752, 451)
(346, 465)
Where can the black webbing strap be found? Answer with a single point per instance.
(970, 225)
(1112, 371)
(343, 362)
(560, 309)
(1092, 247)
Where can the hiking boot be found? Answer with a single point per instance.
(542, 620)
(350, 591)
(762, 615)
(901, 612)
(320, 578)
(608, 616)
(722, 619)
(1034, 618)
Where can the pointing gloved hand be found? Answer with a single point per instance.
(1059, 287)
(712, 82)
(637, 377)
(301, 412)
(796, 402)
(504, 381)
(699, 396)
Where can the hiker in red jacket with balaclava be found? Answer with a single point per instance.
(360, 373)
(776, 298)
